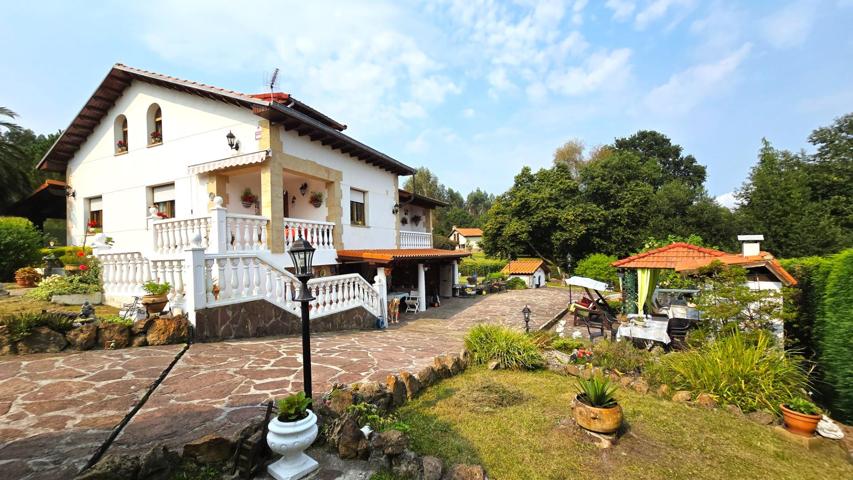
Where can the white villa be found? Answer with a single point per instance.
(207, 188)
(466, 238)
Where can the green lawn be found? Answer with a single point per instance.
(518, 426)
(20, 304)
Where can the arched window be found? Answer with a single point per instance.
(155, 125)
(120, 132)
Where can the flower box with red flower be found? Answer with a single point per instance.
(162, 215)
(156, 138)
(248, 198)
(121, 146)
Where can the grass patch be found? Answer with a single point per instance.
(23, 304)
(534, 439)
(510, 349)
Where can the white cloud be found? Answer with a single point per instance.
(686, 89)
(577, 11)
(790, 25)
(656, 10)
(412, 110)
(728, 200)
(622, 9)
(427, 138)
(720, 29)
(600, 70)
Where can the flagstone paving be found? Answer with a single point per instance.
(55, 410)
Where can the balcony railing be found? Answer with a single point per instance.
(319, 234)
(415, 240)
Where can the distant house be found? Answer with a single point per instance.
(532, 271)
(466, 238)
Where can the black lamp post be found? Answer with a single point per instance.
(569, 267)
(302, 254)
(526, 312)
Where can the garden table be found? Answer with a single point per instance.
(645, 327)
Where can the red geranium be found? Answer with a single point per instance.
(81, 253)
(83, 267)
(162, 215)
(92, 224)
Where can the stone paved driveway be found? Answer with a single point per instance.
(217, 387)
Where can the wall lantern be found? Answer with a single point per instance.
(232, 141)
(526, 312)
(69, 192)
(396, 209)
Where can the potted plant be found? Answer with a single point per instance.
(416, 219)
(27, 277)
(316, 199)
(595, 407)
(248, 198)
(156, 299)
(290, 433)
(800, 416)
(156, 137)
(121, 146)
(404, 221)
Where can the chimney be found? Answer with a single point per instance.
(751, 245)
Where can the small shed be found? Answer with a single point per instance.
(533, 271)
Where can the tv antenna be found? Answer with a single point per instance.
(273, 83)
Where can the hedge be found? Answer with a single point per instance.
(20, 241)
(482, 265)
(822, 324)
(598, 267)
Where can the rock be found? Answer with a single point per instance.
(142, 325)
(640, 386)
(682, 396)
(390, 442)
(406, 465)
(465, 358)
(378, 461)
(167, 331)
(427, 376)
(442, 370)
(42, 340)
(762, 417)
(82, 337)
(375, 393)
(340, 400)
(705, 400)
(350, 439)
(113, 335)
(663, 391)
(413, 386)
(626, 381)
(572, 370)
(734, 410)
(7, 346)
(494, 365)
(614, 377)
(586, 373)
(139, 340)
(455, 365)
(556, 360)
(158, 464)
(466, 472)
(210, 448)
(397, 390)
(432, 468)
(112, 467)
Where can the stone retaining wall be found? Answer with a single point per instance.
(260, 318)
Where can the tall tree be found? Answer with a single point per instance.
(831, 173)
(478, 203)
(674, 165)
(15, 178)
(570, 154)
(777, 201)
(424, 182)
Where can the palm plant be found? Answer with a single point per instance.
(14, 182)
(597, 392)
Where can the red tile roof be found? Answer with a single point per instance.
(469, 232)
(525, 266)
(394, 254)
(765, 260)
(667, 257)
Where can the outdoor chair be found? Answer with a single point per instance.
(594, 326)
(677, 331)
(413, 302)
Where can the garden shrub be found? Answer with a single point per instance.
(20, 242)
(481, 265)
(61, 251)
(515, 283)
(619, 356)
(836, 332)
(20, 325)
(63, 285)
(566, 345)
(117, 319)
(597, 266)
(750, 373)
(510, 349)
(496, 276)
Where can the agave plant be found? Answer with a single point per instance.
(597, 392)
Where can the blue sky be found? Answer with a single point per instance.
(472, 89)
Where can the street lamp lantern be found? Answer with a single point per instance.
(302, 254)
(233, 143)
(526, 312)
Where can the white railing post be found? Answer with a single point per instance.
(219, 237)
(194, 279)
(382, 291)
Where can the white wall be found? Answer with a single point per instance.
(379, 184)
(530, 280)
(414, 210)
(302, 207)
(194, 130)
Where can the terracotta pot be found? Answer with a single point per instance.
(799, 423)
(25, 283)
(155, 303)
(317, 203)
(601, 420)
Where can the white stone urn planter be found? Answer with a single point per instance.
(290, 439)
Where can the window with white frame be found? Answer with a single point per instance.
(163, 198)
(96, 213)
(357, 200)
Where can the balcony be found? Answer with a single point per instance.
(415, 240)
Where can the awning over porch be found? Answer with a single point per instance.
(392, 255)
(47, 201)
(229, 162)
